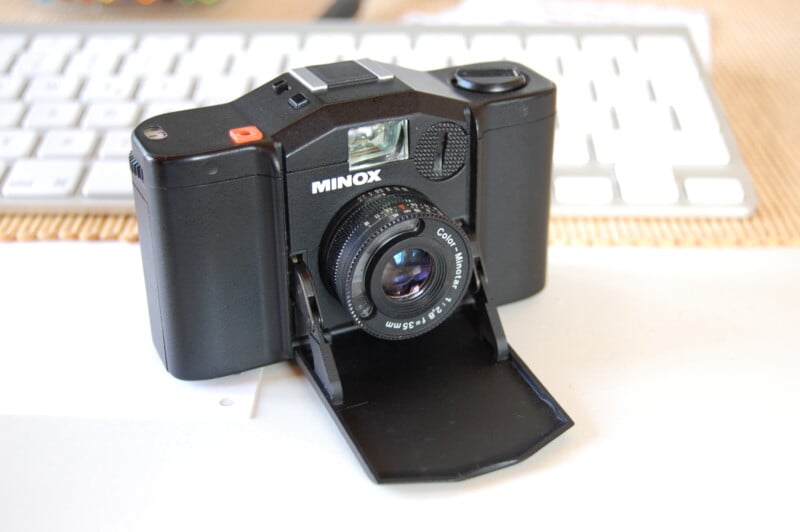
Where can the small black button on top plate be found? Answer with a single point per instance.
(280, 86)
(489, 79)
(298, 101)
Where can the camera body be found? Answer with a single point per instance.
(219, 221)
(351, 204)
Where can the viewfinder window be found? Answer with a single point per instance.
(377, 143)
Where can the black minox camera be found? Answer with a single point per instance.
(364, 220)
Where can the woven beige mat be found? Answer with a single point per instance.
(767, 228)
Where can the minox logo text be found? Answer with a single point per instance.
(345, 181)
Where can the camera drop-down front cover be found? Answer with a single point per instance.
(451, 404)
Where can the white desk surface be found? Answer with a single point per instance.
(680, 367)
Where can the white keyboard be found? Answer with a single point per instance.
(640, 131)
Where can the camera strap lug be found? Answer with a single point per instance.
(488, 319)
(310, 324)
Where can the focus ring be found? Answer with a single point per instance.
(364, 259)
(378, 209)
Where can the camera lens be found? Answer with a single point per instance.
(407, 274)
(396, 262)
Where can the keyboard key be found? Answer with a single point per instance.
(34, 63)
(551, 44)
(334, 44)
(616, 90)
(606, 45)
(581, 66)
(679, 90)
(53, 114)
(643, 183)
(164, 43)
(211, 43)
(94, 62)
(201, 63)
(115, 43)
(431, 51)
(115, 143)
(156, 88)
(666, 57)
(61, 42)
(595, 117)
(714, 190)
(67, 143)
(274, 44)
(111, 114)
(11, 43)
(10, 113)
(677, 148)
(691, 102)
(258, 66)
(494, 47)
(570, 149)
(147, 63)
(52, 88)
(703, 149)
(16, 142)
(6, 59)
(583, 190)
(547, 65)
(573, 93)
(321, 48)
(10, 87)
(664, 47)
(423, 59)
(108, 88)
(384, 47)
(315, 57)
(109, 179)
(212, 90)
(644, 116)
(440, 43)
(692, 118)
(36, 178)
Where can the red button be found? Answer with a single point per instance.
(243, 135)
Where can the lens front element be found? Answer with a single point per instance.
(408, 274)
(396, 262)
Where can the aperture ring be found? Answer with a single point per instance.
(368, 234)
(378, 209)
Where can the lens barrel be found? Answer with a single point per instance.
(396, 262)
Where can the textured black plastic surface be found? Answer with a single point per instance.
(216, 272)
(441, 151)
(512, 207)
(438, 407)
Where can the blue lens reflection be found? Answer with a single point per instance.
(408, 274)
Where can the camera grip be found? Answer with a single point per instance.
(216, 274)
(513, 206)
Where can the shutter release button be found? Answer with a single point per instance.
(489, 79)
